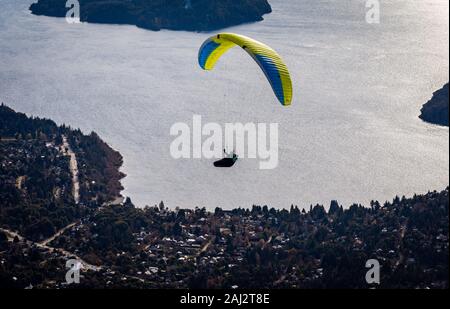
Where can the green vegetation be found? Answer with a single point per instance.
(99, 168)
(36, 197)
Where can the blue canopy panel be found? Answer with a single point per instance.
(273, 75)
(207, 49)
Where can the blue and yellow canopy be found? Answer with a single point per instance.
(270, 62)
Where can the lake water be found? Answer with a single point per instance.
(352, 133)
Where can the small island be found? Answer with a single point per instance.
(436, 110)
(190, 15)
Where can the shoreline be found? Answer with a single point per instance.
(85, 150)
(113, 174)
(436, 110)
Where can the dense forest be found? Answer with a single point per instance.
(191, 15)
(36, 195)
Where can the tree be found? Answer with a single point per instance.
(177, 229)
(334, 207)
(3, 241)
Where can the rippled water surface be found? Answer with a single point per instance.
(352, 133)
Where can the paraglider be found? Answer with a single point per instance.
(228, 161)
(269, 61)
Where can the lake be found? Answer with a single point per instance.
(351, 134)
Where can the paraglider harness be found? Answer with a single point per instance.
(228, 161)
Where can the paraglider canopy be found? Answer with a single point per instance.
(269, 60)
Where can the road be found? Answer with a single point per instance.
(19, 182)
(69, 255)
(73, 165)
(11, 235)
(401, 258)
(58, 233)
